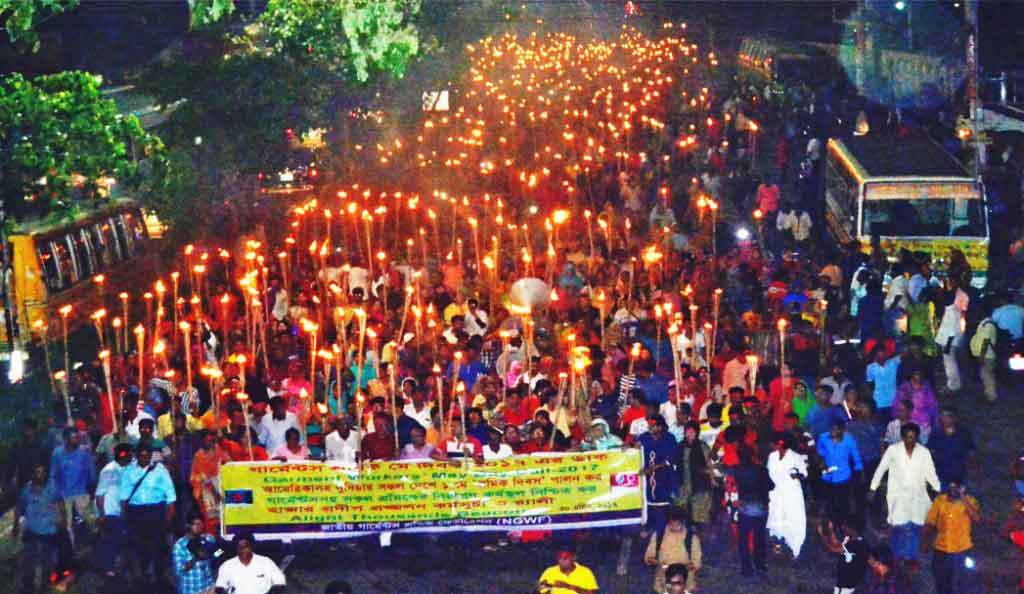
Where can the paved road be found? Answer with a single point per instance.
(460, 565)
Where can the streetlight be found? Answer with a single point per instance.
(901, 5)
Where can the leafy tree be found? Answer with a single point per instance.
(58, 137)
(238, 102)
(356, 37)
(204, 13)
(20, 17)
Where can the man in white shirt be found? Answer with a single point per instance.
(274, 425)
(359, 278)
(911, 471)
(342, 444)
(249, 573)
(131, 426)
(416, 407)
(495, 449)
(475, 319)
(108, 502)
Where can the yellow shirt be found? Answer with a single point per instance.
(580, 577)
(453, 309)
(952, 523)
(165, 424)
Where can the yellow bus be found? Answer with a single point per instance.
(54, 264)
(911, 194)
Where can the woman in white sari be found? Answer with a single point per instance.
(787, 516)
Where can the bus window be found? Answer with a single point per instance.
(113, 240)
(66, 264)
(124, 237)
(80, 253)
(90, 250)
(104, 251)
(137, 224)
(51, 271)
(931, 217)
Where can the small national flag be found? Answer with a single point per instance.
(238, 496)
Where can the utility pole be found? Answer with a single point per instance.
(973, 104)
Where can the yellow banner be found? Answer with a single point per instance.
(322, 500)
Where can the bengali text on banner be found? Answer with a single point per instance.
(540, 492)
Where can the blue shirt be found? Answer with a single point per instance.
(843, 456)
(200, 576)
(884, 378)
(950, 453)
(1010, 317)
(40, 506)
(655, 388)
(819, 419)
(468, 373)
(870, 315)
(154, 489)
(72, 473)
(656, 452)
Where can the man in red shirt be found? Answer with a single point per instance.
(379, 445)
(780, 396)
(515, 410)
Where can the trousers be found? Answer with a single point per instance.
(988, 378)
(38, 554)
(951, 572)
(146, 536)
(756, 527)
(952, 368)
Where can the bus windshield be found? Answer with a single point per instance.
(928, 217)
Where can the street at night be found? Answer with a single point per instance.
(550, 296)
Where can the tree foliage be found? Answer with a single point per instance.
(238, 101)
(204, 13)
(20, 17)
(58, 137)
(357, 37)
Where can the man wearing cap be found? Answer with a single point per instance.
(567, 577)
(108, 502)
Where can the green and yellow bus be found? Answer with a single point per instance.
(53, 265)
(911, 194)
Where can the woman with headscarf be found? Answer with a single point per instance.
(600, 438)
(570, 278)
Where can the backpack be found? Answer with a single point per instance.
(977, 339)
(687, 542)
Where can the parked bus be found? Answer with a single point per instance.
(53, 264)
(786, 65)
(911, 194)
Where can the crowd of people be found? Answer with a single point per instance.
(816, 374)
